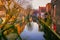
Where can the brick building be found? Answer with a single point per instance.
(56, 12)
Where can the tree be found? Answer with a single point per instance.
(9, 25)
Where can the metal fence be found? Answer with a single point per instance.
(49, 34)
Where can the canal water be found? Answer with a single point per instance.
(32, 35)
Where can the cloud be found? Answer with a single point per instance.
(37, 3)
(34, 3)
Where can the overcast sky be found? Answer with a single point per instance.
(34, 3)
(37, 3)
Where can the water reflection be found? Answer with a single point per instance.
(34, 34)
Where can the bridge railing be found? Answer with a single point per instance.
(49, 34)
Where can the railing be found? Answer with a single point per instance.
(49, 34)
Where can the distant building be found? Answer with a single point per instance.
(42, 11)
(48, 7)
(35, 12)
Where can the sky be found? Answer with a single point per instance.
(37, 3)
(34, 3)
